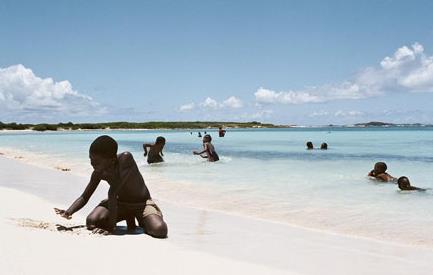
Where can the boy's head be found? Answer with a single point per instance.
(309, 145)
(160, 140)
(102, 152)
(324, 146)
(380, 167)
(403, 183)
(207, 138)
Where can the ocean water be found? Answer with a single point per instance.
(268, 174)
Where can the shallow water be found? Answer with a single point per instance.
(267, 173)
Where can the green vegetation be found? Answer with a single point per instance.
(375, 124)
(135, 125)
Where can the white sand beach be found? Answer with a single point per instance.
(200, 241)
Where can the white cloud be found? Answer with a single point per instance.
(268, 96)
(209, 103)
(420, 78)
(407, 70)
(232, 102)
(401, 56)
(348, 113)
(339, 113)
(187, 107)
(22, 93)
(319, 114)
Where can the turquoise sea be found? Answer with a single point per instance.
(268, 174)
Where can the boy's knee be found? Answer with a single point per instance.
(157, 230)
(90, 222)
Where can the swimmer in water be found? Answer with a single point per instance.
(128, 196)
(324, 146)
(208, 150)
(155, 150)
(379, 173)
(309, 145)
(404, 185)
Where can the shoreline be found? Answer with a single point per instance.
(278, 247)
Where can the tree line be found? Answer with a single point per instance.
(133, 125)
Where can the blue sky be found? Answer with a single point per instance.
(288, 62)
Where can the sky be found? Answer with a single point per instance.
(284, 62)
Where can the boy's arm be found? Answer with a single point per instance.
(386, 177)
(145, 145)
(202, 152)
(81, 201)
(205, 150)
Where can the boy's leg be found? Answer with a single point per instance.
(98, 218)
(152, 222)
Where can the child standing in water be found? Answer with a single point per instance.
(379, 173)
(208, 150)
(155, 150)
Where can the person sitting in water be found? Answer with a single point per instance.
(324, 146)
(155, 150)
(128, 196)
(208, 150)
(309, 145)
(379, 173)
(199, 134)
(404, 184)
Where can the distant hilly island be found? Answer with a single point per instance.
(385, 124)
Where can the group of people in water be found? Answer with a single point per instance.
(379, 173)
(128, 196)
(310, 146)
(154, 155)
(221, 132)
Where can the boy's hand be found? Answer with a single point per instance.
(100, 231)
(63, 213)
